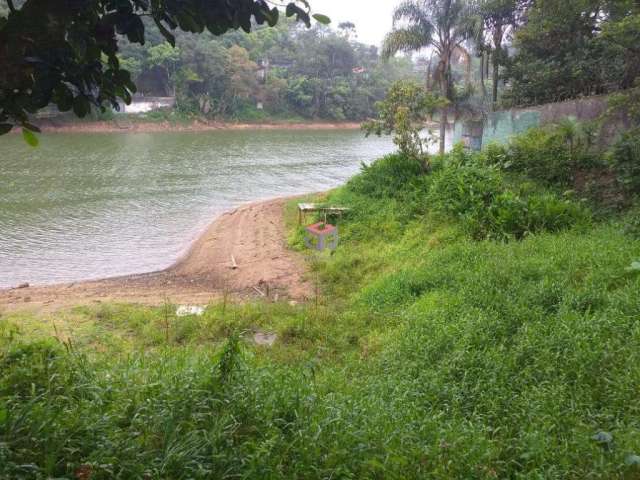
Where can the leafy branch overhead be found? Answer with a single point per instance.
(65, 52)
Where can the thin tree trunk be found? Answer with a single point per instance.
(468, 72)
(497, 46)
(496, 67)
(486, 64)
(444, 88)
(482, 84)
(443, 129)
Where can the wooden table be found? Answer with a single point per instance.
(304, 208)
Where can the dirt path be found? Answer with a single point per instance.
(253, 234)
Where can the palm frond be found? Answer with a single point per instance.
(468, 26)
(411, 11)
(409, 39)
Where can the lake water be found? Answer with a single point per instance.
(83, 206)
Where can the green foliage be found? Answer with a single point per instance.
(390, 177)
(631, 222)
(497, 17)
(461, 189)
(626, 102)
(571, 49)
(551, 155)
(472, 188)
(403, 113)
(427, 355)
(487, 208)
(444, 26)
(541, 154)
(290, 72)
(624, 156)
(71, 56)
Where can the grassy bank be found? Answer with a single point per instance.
(476, 322)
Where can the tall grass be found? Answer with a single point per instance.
(432, 353)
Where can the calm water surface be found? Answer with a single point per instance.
(85, 206)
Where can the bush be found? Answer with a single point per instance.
(631, 222)
(542, 154)
(462, 189)
(478, 196)
(250, 113)
(624, 157)
(550, 155)
(514, 216)
(390, 177)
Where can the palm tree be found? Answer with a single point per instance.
(499, 18)
(442, 25)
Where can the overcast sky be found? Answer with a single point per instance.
(371, 17)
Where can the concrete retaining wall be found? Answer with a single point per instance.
(500, 126)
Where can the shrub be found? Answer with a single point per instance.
(631, 222)
(459, 190)
(514, 216)
(478, 196)
(550, 155)
(28, 368)
(390, 177)
(495, 154)
(250, 113)
(542, 154)
(624, 157)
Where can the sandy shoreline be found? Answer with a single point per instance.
(253, 236)
(126, 125)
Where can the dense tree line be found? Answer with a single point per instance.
(501, 53)
(284, 71)
(252, 60)
(66, 52)
(569, 48)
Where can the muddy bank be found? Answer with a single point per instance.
(242, 253)
(128, 125)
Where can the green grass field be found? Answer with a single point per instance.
(434, 350)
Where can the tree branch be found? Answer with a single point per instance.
(10, 4)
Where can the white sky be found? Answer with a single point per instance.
(371, 17)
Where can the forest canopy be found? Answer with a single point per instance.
(249, 60)
(287, 71)
(66, 52)
(566, 49)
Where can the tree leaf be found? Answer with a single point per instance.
(272, 16)
(170, 37)
(323, 19)
(81, 106)
(30, 137)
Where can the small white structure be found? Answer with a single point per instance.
(185, 310)
(148, 104)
